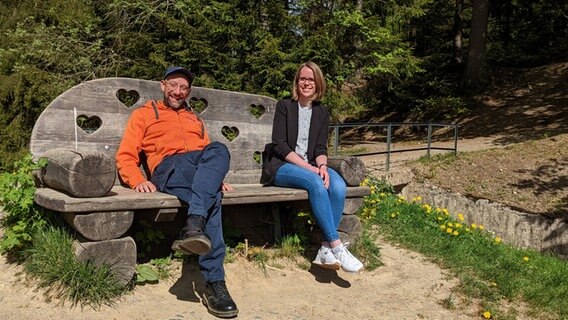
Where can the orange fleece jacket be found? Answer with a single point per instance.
(173, 131)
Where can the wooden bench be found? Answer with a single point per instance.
(90, 118)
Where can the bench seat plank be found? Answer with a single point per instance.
(121, 198)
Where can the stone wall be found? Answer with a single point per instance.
(520, 229)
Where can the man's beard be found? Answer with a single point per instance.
(167, 102)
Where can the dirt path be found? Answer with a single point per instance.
(406, 287)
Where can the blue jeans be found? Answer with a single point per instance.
(327, 204)
(195, 177)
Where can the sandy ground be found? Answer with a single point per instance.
(406, 287)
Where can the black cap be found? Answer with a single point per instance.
(176, 69)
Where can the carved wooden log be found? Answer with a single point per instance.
(352, 239)
(101, 225)
(118, 254)
(352, 205)
(350, 230)
(351, 225)
(352, 169)
(80, 174)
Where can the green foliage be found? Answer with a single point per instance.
(155, 270)
(21, 216)
(377, 57)
(445, 108)
(367, 250)
(147, 237)
(52, 260)
(290, 247)
(489, 270)
(146, 274)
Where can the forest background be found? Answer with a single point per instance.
(418, 60)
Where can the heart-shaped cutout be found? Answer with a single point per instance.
(199, 105)
(89, 124)
(257, 111)
(128, 98)
(257, 157)
(231, 133)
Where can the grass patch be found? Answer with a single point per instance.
(52, 261)
(290, 247)
(489, 270)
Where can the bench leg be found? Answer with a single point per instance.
(277, 223)
(118, 254)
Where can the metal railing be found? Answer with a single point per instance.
(389, 128)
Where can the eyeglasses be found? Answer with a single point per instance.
(174, 86)
(306, 80)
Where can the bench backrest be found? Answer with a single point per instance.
(93, 114)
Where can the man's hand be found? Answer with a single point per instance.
(145, 186)
(226, 187)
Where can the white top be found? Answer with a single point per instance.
(304, 119)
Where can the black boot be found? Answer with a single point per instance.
(194, 238)
(219, 301)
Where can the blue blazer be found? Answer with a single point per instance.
(285, 137)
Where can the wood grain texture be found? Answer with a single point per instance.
(56, 126)
(118, 254)
(81, 174)
(101, 225)
(352, 169)
(121, 198)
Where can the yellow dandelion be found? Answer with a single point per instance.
(456, 233)
(458, 225)
(419, 198)
(382, 194)
(442, 227)
(481, 227)
(438, 210)
(487, 315)
(460, 217)
(526, 258)
(393, 215)
(498, 239)
(446, 212)
(473, 226)
(449, 230)
(439, 218)
(450, 224)
(467, 230)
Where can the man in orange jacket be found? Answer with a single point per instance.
(183, 162)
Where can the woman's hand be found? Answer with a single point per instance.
(324, 175)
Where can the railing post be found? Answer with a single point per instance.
(455, 140)
(336, 139)
(429, 139)
(389, 128)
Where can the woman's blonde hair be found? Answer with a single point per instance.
(319, 80)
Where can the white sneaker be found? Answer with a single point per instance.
(326, 259)
(348, 262)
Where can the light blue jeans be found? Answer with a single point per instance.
(327, 204)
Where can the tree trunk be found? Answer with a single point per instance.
(458, 32)
(475, 70)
